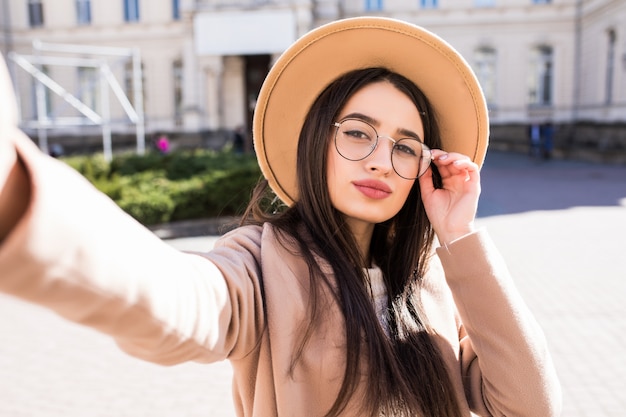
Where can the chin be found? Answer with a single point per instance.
(373, 219)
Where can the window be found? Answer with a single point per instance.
(428, 4)
(42, 99)
(541, 76)
(373, 5)
(542, 1)
(484, 3)
(610, 67)
(485, 67)
(177, 72)
(83, 12)
(176, 9)
(131, 10)
(89, 87)
(35, 13)
(129, 84)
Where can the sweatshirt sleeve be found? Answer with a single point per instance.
(76, 253)
(506, 367)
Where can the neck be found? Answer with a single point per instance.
(362, 233)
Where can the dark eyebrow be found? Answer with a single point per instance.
(401, 132)
(363, 117)
(406, 133)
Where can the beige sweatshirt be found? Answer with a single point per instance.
(76, 253)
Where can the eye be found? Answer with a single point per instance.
(357, 131)
(408, 148)
(357, 134)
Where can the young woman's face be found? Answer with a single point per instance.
(369, 191)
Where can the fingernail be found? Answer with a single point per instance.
(444, 156)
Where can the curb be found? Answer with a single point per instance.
(193, 228)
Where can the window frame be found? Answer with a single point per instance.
(88, 79)
(486, 69)
(484, 3)
(37, 87)
(131, 11)
(178, 86)
(83, 12)
(429, 4)
(35, 13)
(175, 9)
(373, 5)
(610, 65)
(541, 85)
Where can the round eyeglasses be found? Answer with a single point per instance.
(356, 139)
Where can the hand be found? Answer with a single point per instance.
(451, 209)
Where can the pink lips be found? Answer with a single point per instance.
(373, 188)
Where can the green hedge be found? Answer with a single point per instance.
(182, 185)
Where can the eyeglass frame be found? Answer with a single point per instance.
(425, 147)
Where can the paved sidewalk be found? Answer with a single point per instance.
(561, 226)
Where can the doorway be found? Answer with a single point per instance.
(256, 69)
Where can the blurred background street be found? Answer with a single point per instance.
(561, 226)
(163, 76)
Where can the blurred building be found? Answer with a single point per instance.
(557, 63)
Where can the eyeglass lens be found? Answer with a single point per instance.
(356, 140)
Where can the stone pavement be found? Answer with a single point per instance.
(560, 225)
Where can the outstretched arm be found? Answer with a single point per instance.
(66, 246)
(14, 188)
(14, 184)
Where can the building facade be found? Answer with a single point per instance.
(557, 63)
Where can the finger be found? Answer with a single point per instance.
(474, 174)
(454, 162)
(426, 182)
(449, 170)
(445, 159)
(464, 165)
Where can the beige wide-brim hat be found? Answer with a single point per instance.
(322, 55)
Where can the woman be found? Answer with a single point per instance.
(333, 303)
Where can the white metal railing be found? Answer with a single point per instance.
(32, 65)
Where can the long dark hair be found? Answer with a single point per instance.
(409, 372)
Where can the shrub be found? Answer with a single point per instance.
(182, 185)
(149, 207)
(92, 167)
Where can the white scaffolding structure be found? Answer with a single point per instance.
(96, 59)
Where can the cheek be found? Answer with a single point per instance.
(405, 189)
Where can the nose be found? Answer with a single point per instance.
(380, 158)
